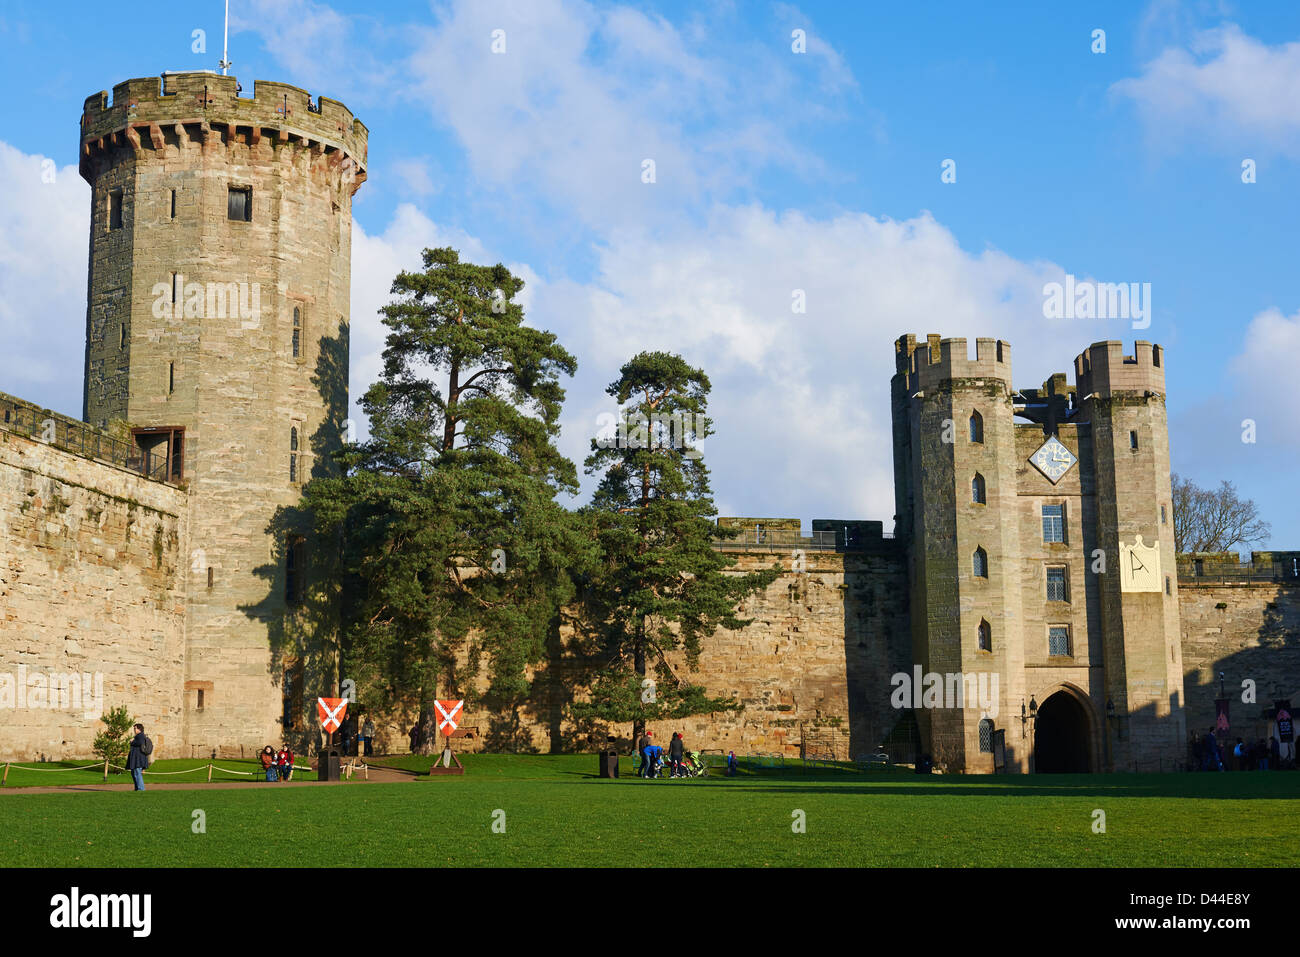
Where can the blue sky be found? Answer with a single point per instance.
(775, 171)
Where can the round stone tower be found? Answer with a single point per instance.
(217, 334)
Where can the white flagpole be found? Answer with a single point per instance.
(225, 43)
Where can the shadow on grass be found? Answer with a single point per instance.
(1246, 786)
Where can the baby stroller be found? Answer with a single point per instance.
(692, 766)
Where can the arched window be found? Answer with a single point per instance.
(986, 735)
(293, 454)
(980, 563)
(985, 636)
(977, 490)
(977, 428)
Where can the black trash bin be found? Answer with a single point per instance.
(328, 769)
(608, 763)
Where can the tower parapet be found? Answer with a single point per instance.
(1104, 369)
(936, 360)
(193, 105)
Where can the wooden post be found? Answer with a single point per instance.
(209, 773)
(106, 770)
(366, 771)
(6, 776)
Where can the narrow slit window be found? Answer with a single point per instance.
(985, 636)
(297, 332)
(115, 209)
(293, 455)
(1133, 441)
(173, 204)
(121, 343)
(171, 377)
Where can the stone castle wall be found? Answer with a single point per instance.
(814, 665)
(1247, 630)
(94, 570)
(91, 582)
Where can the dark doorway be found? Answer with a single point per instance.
(1061, 736)
(162, 452)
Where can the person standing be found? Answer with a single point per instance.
(368, 737)
(676, 748)
(642, 746)
(1212, 762)
(138, 758)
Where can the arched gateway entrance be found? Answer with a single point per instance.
(1061, 736)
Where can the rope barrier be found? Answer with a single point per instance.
(209, 767)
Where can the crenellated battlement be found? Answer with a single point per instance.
(1104, 369)
(141, 108)
(936, 360)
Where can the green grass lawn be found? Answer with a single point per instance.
(557, 813)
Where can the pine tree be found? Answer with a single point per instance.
(113, 744)
(455, 547)
(660, 584)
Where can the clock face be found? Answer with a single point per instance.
(1053, 459)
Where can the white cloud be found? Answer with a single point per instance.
(582, 96)
(326, 51)
(1225, 86)
(1263, 374)
(43, 230)
(417, 175)
(801, 401)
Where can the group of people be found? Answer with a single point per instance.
(1208, 755)
(652, 755)
(278, 765)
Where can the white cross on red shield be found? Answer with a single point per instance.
(332, 712)
(449, 715)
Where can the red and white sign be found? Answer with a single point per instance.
(332, 712)
(449, 715)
